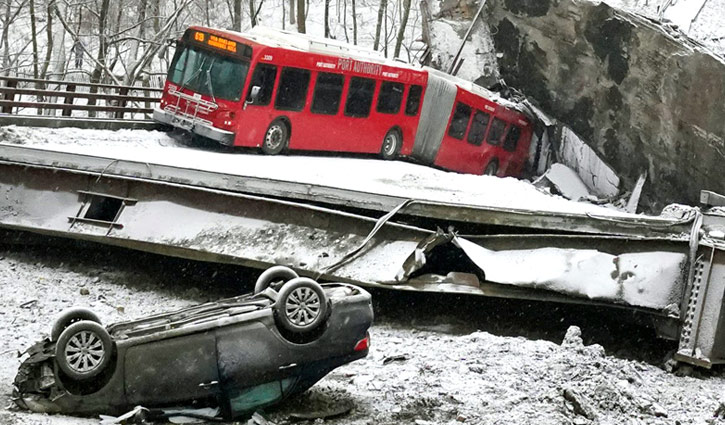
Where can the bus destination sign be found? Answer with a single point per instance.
(217, 42)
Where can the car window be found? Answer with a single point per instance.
(250, 399)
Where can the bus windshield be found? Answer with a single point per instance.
(207, 73)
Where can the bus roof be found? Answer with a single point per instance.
(307, 43)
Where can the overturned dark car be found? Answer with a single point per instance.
(238, 354)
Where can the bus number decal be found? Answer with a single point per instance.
(326, 65)
(267, 58)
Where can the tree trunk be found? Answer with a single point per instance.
(344, 20)
(135, 44)
(34, 38)
(237, 16)
(354, 24)
(49, 36)
(5, 38)
(252, 14)
(301, 16)
(378, 27)
(401, 30)
(327, 18)
(97, 73)
(292, 11)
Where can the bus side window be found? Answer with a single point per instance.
(263, 77)
(459, 123)
(478, 128)
(391, 94)
(496, 131)
(292, 90)
(359, 97)
(328, 90)
(512, 139)
(413, 102)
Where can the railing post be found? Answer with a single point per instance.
(68, 100)
(11, 84)
(122, 102)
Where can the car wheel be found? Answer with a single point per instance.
(276, 138)
(83, 350)
(272, 274)
(68, 317)
(391, 144)
(302, 306)
(491, 168)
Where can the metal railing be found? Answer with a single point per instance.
(25, 96)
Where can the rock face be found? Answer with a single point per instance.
(644, 99)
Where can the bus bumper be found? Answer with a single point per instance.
(222, 136)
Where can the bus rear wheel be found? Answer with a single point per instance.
(391, 144)
(276, 138)
(491, 169)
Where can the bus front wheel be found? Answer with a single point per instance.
(391, 144)
(276, 138)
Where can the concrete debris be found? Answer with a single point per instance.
(565, 182)
(395, 358)
(573, 338)
(580, 405)
(258, 419)
(330, 413)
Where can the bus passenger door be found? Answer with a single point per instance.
(256, 115)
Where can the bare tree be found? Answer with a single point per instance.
(49, 37)
(8, 18)
(401, 30)
(292, 11)
(301, 16)
(381, 15)
(34, 38)
(327, 18)
(354, 23)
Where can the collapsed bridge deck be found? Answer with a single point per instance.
(317, 214)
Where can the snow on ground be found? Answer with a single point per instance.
(395, 178)
(447, 360)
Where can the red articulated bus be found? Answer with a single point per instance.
(278, 91)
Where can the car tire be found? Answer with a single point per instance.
(302, 306)
(491, 168)
(391, 144)
(83, 350)
(69, 316)
(276, 138)
(274, 273)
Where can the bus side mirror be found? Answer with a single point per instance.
(254, 94)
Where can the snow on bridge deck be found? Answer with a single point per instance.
(367, 176)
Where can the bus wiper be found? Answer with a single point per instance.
(208, 80)
(190, 79)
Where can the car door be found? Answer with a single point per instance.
(172, 370)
